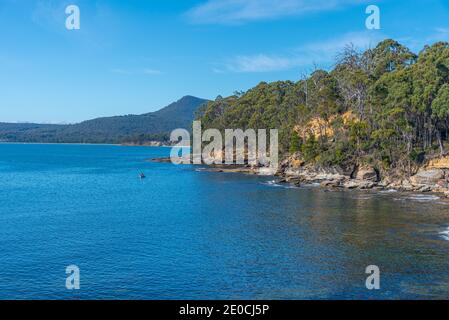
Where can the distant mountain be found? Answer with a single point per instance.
(153, 126)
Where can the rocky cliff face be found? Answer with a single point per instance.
(438, 163)
(433, 177)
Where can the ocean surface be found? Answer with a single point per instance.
(185, 233)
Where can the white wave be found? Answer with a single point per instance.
(419, 198)
(423, 198)
(389, 191)
(445, 234)
(272, 183)
(366, 197)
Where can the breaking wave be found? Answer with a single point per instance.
(445, 234)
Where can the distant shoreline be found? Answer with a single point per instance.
(82, 144)
(61, 143)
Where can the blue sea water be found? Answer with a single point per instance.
(185, 233)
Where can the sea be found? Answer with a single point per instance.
(184, 232)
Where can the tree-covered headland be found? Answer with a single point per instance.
(386, 107)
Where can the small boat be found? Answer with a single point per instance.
(142, 176)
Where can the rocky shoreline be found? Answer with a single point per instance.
(292, 170)
(429, 179)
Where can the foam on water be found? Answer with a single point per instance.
(389, 191)
(445, 234)
(420, 198)
(423, 198)
(274, 183)
(363, 197)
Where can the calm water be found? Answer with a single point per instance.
(188, 234)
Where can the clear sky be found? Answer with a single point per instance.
(136, 56)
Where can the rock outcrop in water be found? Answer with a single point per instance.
(428, 179)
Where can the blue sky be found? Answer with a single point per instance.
(136, 56)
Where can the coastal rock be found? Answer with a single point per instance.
(441, 186)
(294, 161)
(359, 184)
(364, 185)
(439, 163)
(351, 185)
(407, 186)
(265, 171)
(395, 184)
(427, 177)
(346, 170)
(330, 183)
(367, 173)
(384, 183)
(296, 172)
(292, 172)
(329, 177)
(425, 189)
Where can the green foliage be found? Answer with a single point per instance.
(310, 149)
(277, 105)
(440, 106)
(295, 142)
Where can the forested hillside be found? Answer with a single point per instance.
(387, 107)
(154, 126)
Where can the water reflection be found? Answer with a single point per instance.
(323, 241)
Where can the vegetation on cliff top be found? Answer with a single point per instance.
(385, 107)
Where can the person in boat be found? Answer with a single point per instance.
(142, 176)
